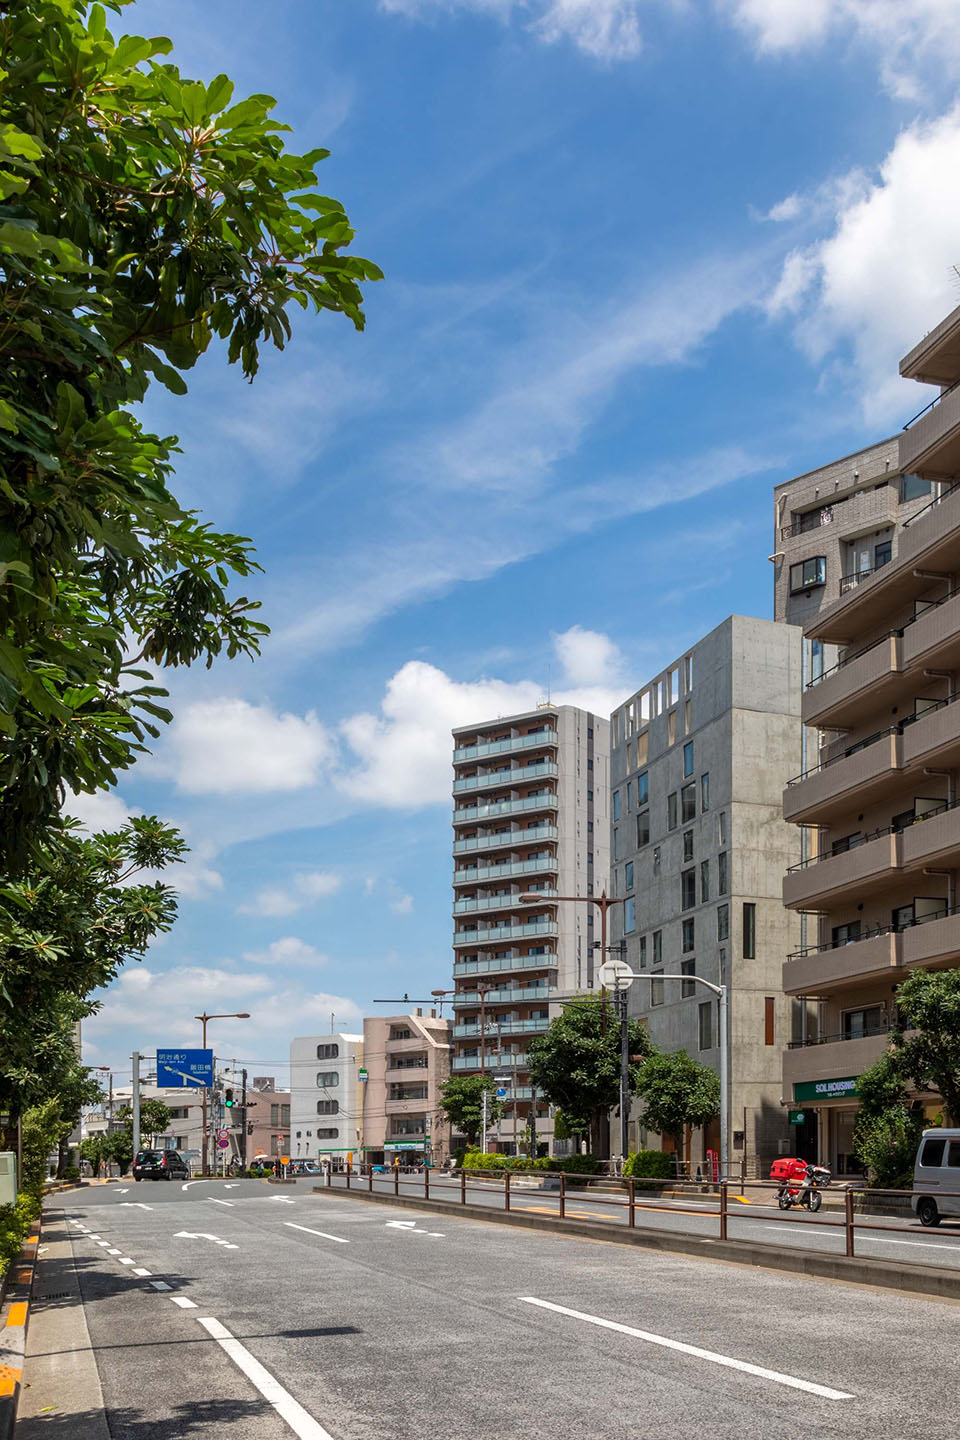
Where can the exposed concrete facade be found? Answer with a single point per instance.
(699, 844)
(326, 1099)
(407, 1059)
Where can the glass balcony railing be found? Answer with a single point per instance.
(497, 902)
(505, 747)
(494, 778)
(464, 814)
(506, 996)
(493, 1061)
(484, 935)
(506, 963)
(493, 1028)
(508, 837)
(469, 873)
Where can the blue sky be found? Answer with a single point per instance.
(644, 259)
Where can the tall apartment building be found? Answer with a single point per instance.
(407, 1059)
(326, 1097)
(878, 879)
(531, 814)
(698, 760)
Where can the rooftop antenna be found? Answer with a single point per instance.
(332, 1019)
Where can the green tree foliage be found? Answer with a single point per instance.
(64, 932)
(926, 1043)
(649, 1164)
(886, 1144)
(678, 1091)
(576, 1064)
(461, 1100)
(145, 218)
(155, 1116)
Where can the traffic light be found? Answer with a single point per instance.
(228, 1099)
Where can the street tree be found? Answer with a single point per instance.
(155, 1117)
(146, 219)
(576, 1064)
(678, 1091)
(926, 1041)
(461, 1100)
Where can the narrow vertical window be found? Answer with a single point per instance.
(769, 1014)
(749, 931)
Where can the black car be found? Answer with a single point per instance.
(160, 1165)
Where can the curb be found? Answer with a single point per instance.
(15, 1317)
(884, 1274)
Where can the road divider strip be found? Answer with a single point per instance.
(825, 1392)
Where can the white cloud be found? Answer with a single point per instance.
(304, 890)
(603, 29)
(588, 657)
(288, 951)
(228, 746)
(194, 878)
(884, 275)
(402, 903)
(103, 810)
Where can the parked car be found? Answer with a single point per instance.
(936, 1176)
(160, 1165)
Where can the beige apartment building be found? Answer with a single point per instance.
(878, 796)
(531, 815)
(406, 1059)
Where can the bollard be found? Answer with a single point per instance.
(463, 1187)
(396, 1179)
(426, 1182)
(723, 1209)
(563, 1195)
(348, 1174)
(506, 1190)
(370, 1178)
(848, 1219)
(329, 1176)
(633, 1212)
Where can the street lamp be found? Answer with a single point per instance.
(109, 1071)
(204, 1019)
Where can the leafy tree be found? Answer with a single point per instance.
(146, 218)
(576, 1064)
(154, 1118)
(119, 1148)
(461, 1100)
(678, 1091)
(886, 1144)
(926, 1042)
(95, 1150)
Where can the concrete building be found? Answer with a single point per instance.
(268, 1120)
(531, 813)
(407, 1059)
(326, 1100)
(699, 756)
(878, 887)
(183, 1133)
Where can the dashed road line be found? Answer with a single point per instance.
(127, 1261)
(322, 1233)
(214, 1201)
(139, 1270)
(183, 1302)
(303, 1425)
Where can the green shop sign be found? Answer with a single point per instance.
(844, 1089)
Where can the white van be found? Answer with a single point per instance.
(936, 1176)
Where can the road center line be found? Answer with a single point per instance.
(322, 1233)
(303, 1425)
(213, 1199)
(694, 1350)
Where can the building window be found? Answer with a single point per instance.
(656, 991)
(704, 881)
(616, 842)
(687, 987)
(704, 793)
(643, 828)
(616, 804)
(688, 803)
(328, 1134)
(687, 716)
(657, 957)
(671, 727)
(643, 747)
(722, 873)
(688, 889)
(687, 932)
(722, 828)
(749, 931)
(808, 573)
(672, 811)
(629, 915)
(628, 875)
(643, 789)
(328, 1079)
(328, 1107)
(328, 1052)
(706, 1025)
(688, 759)
(643, 952)
(913, 488)
(769, 1020)
(723, 922)
(688, 672)
(629, 796)
(687, 845)
(871, 1020)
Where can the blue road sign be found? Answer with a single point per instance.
(189, 1069)
(501, 1091)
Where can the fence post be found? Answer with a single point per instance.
(396, 1179)
(348, 1174)
(848, 1219)
(463, 1187)
(506, 1190)
(370, 1178)
(723, 1209)
(426, 1182)
(563, 1195)
(633, 1213)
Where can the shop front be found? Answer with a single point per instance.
(822, 1120)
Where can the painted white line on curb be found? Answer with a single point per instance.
(322, 1233)
(214, 1201)
(139, 1270)
(303, 1425)
(726, 1360)
(160, 1285)
(183, 1302)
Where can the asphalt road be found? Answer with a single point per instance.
(318, 1315)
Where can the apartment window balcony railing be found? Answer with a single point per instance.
(471, 873)
(492, 841)
(513, 962)
(861, 840)
(851, 581)
(496, 902)
(505, 747)
(852, 655)
(880, 1028)
(481, 936)
(929, 707)
(502, 1027)
(518, 775)
(528, 993)
(407, 1134)
(465, 814)
(492, 1062)
(870, 932)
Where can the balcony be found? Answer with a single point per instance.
(821, 971)
(505, 747)
(497, 902)
(837, 1056)
(495, 1028)
(520, 931)
(509, 837)
(871, 508)
(470, 814)
(930, 443)
(492, 1061)
(471, 874)
(827, 789)
(933, 944)
(523, 994)
(496, 779)
(935, 360)
(508, 963)
(416, 1105)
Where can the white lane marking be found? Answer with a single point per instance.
(231, 1187)
(183, 1302)
(127, 1261)
(411, 1227)
(923, 1244)
(160, 1285)
(134, 1205)
(91, 1236)
(194, 1182)
(322, 1233)
(303, 1425)
(104, 1243)
(282, 1199)
(214, 1201)
(204, 1235)
(726, 1360)
(112, 1251)
(139, 1270)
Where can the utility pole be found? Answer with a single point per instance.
(484, 1104)
(243, 1122)
(624, 1073)
(135, 1097)
(533, 1122)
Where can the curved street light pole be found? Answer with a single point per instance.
(204, 1018)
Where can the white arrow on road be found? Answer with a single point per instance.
(202, 1235)
(134, 1205)
(411, 1227)
(123, 1192)
(282, 1199)
(230, 1187)
(192, 1182)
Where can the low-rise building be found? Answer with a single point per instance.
(326, 1097)
(407, 1059)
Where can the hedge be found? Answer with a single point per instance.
(571, 1165)
(649, 1165)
